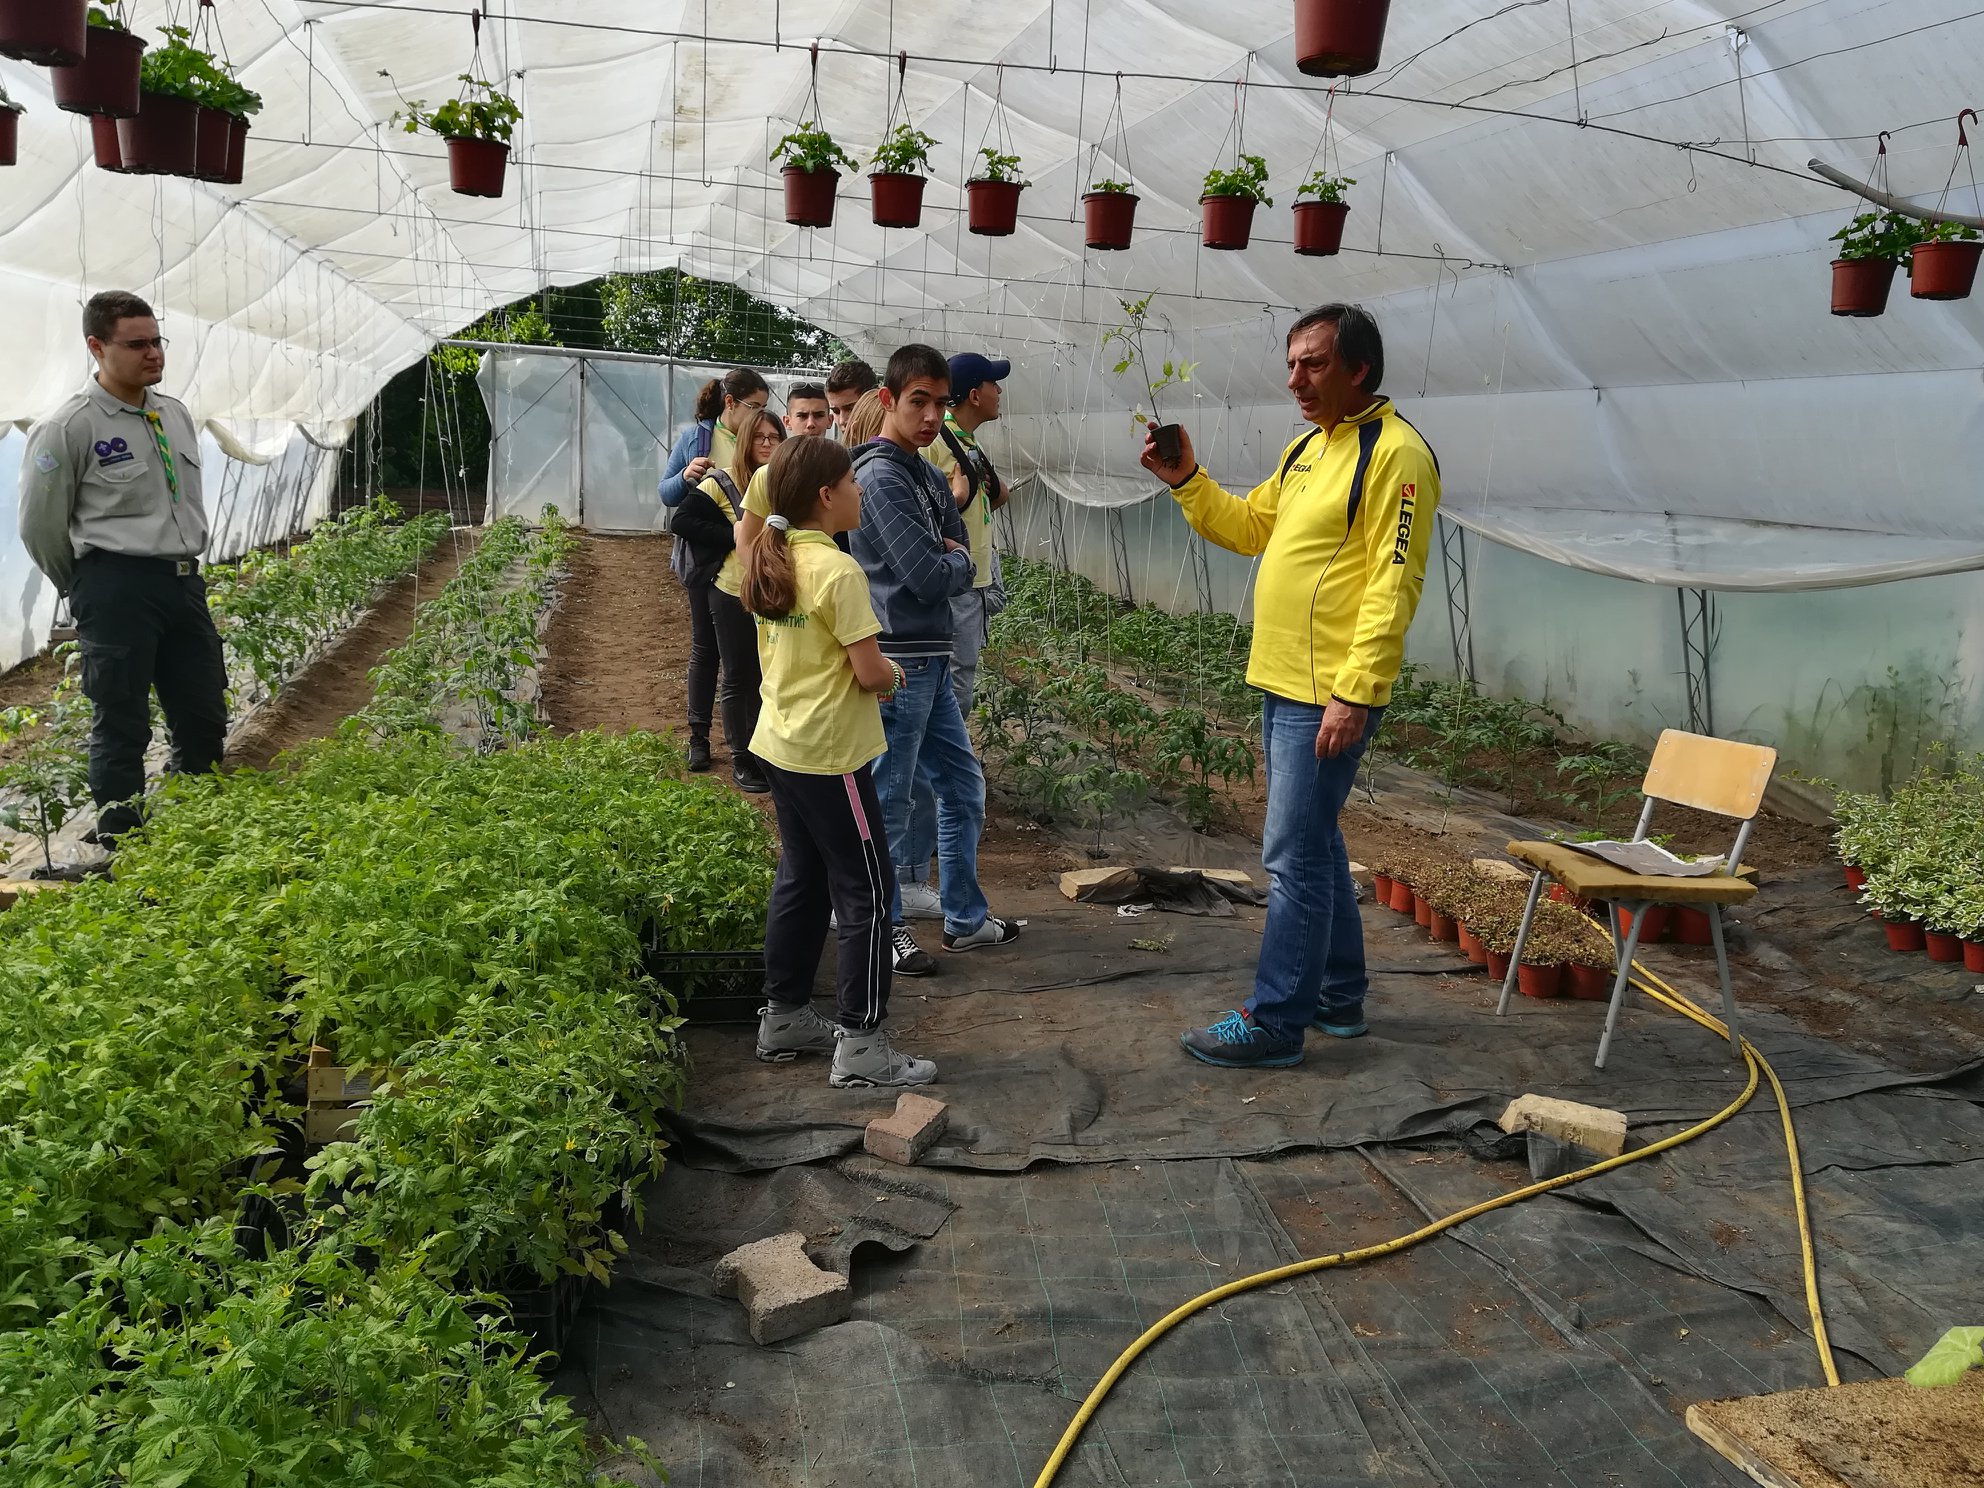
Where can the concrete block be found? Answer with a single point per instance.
(914, 1128)
(1496, 868)
(1604, 1132)
(784, 1293)
(1359, 874)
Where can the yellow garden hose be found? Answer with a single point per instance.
(1758, 1067)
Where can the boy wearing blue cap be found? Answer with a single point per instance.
(975, 394)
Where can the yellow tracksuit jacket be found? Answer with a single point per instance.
(1336, 588)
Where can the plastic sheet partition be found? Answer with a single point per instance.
(590, 435)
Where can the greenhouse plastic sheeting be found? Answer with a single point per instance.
(1588, 232)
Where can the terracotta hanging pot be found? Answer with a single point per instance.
(163, 139)
(237, 151)
(897, 199)
(1592, 983)
(48, 33)
(1539, 981)
(1319, 227)
(476, 167)
(1109, 217)
(1339, 38)
(1229, 221)
(993, 207)
(105, 81)
(809, 196)
(103, 138)
(1944, 271)
(10, 136)
(1941, 947)
(1860, 285)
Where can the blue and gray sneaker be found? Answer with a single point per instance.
(1235, 1043)
(1343, 1022)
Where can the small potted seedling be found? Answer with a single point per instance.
(48, 33)
(812, 162)
(1944, 265)
(1129, 339)
(993, 195)
(1339, 38)
(1228, 200)
(1869, 248)
(10, 127)
(1320, 212)
(1109, 214)
(897, 175)
(105, 82)
(163, 137)
(477, 124)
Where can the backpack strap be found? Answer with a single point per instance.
(730, 494)
(963, 456)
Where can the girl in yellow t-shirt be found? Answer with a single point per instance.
(819, 734)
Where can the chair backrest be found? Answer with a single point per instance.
(1709, 774)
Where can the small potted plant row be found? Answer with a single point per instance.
(478, 123)
(1566, 954)
(1941, 257)
(1916, 861)
(191, 120)
(107, 81)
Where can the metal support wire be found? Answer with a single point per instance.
(1057, 530)
(1701, 627)
(1453, 567)
(1119, 548)
(1195, 552)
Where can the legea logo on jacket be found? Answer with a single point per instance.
(1407, 494)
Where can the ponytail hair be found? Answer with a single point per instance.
(795, 478)
(709, 400)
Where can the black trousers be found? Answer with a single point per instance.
(833, 859)
(140, 626)
(737, 647)
(702, 661)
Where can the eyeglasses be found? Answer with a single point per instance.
(156, 343)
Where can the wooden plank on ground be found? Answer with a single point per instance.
(1876, 1434)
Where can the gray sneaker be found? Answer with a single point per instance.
(920, 901)
(870, 1059)
(783, 1037)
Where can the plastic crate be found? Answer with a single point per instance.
(712, 987)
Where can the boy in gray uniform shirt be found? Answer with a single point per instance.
(111, 512)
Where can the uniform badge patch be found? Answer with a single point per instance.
(46, 463)
(113, 452)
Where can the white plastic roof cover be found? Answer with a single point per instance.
(1619, 346)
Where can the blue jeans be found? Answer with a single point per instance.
(926, 737)
(1312, 951)
(968, 615)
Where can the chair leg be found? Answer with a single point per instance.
(1626, 954)
(1522, 939)
(1722, 967)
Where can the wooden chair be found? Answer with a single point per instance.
(1715, 775)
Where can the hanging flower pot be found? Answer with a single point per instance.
(1944, 268)
(103, 138)
(1941, 947)
(1109, 215)
(994, 207)
(1319, 228)
(1904, 935)
(1869, 248)
(106, 80)
(478, 167)
(163, 138)
(1339, 38)
(48, 33)
(10, 134)
(1229, 221)
(1539, 981)
(813, 163)
(1860, 286)
(897, 175)
(1592, 983)
(237, 151)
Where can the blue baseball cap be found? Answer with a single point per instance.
(969, 369)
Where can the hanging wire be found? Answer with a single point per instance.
(1963, 156)
(1095, 154)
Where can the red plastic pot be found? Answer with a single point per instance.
(993, 207)
(1592, 983)
(1539, 981)
(163, 139)
(1941, 947)
(237, 152)
(1229, 221)
(1422, 912)
(1339, 38)
(1904, 935)
(1401, 899)
(10, 136)
(1319, 227)
(1108, 218)
(103, 137)
(1944, 271)
(1444, 928)
(1381, 888)
(1471, 946)
(214, 132)
(1856, 879)
(1860, 285)
(897, 198)
(477, 167)
(1653, 926)
(106, 80)
(1973, 955)
(1498, 964)
(1692, 927)
(48, 33)
(809, 196)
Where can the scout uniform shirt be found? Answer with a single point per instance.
(101, 474)
(977, 516)
(817, 719)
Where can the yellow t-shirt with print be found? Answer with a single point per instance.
(978, 516)
(816, 718)
(758, 502)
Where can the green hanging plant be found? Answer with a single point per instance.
(1111, 188)
(811, 149)
(104, 20)
(1324, 187)
(1249, 178)
(999, 167)
(482, 112)
(1878, 235)
(181, 70)
(904, 151)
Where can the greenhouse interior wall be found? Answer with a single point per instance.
(1852, 685)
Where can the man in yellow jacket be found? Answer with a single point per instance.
(1342, 529)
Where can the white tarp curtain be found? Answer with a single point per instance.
(1620, 347)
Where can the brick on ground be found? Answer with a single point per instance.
(911, 1131)
(783, 1291)
(1602, 1131)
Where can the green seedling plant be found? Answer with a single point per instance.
(1130, 340)
(1248, 177)
(7, 104)
(811, 149)
(1111, 187)
(1604, 778)
(997, 167)
(1323, 186)
(1953, 1356)
(904, 151)
(1886, 235)
(179, 69)
(46, 782)
(482, 111)
(106, 20)
(1948, 232)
